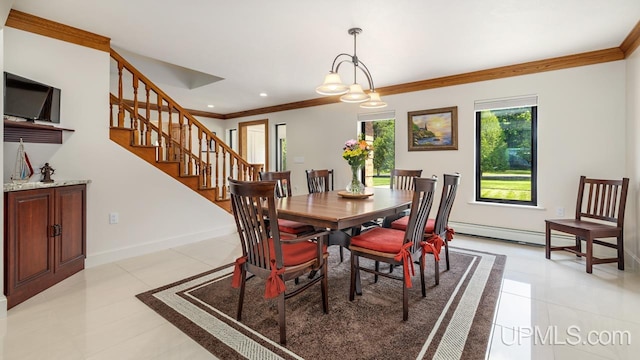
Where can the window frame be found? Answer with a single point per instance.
(534, 160)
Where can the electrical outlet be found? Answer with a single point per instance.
(114, 218)
(560, 211)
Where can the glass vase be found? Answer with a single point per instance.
(355, 186)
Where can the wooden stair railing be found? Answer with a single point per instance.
(155, 120)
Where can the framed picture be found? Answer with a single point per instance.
(435, 129)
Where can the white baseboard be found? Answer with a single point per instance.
(534, 238)
(149, 247)
(3, 312)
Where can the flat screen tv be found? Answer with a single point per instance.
(30, 99)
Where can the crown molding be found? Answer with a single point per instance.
(631, 42)
(27, 22)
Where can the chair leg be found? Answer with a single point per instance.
(341, 253)
(578, 245)
(325, 288)
(446, 252)
(243, 274)
(282, 319)
(437, 271)
(352, 286)
(547, 242)
(424, 290)
(377, 268)
(405, 297)
(621, 252)
(589, 246)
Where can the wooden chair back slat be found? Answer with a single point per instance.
(247, 199)
(403, 179)
(282, 179)
(420, 209)
(319, 180)
(605, 199)
(449, 190)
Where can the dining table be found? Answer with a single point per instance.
(344, 213)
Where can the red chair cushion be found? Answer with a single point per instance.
(403, 222)
(380, 239)
(296, 253)
(293, 227)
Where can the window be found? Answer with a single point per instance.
(379, 130)
(233, 139)
(506, 151)
(281, 147)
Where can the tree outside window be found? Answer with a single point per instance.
(506, 153)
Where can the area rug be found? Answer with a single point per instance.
(453, 321)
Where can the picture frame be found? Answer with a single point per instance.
(434, 129)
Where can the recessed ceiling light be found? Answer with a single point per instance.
(210, 106)
(263, 94)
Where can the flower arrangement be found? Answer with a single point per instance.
(356, 151)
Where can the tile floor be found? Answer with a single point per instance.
(547, 309)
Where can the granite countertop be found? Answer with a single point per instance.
(39, 185)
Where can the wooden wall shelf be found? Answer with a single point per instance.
(32, 133)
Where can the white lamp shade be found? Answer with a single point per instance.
(374, 102)
(332, 85)
(355, 95)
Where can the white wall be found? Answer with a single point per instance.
(632, 240)
(155, 211)
(581, 131)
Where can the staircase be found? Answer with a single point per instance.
(147, 122)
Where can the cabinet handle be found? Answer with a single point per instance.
(56, 230)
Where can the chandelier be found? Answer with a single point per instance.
(353, 93)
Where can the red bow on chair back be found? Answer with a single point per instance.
(236, 280)
(274, 285)
(450, 233)
(405, 256)
(433, 245)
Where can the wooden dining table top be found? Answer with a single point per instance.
(330, 210)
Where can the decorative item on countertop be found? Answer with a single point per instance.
(46, 172)
(356, 152)
(22, 170)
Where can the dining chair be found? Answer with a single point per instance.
(283, 189)
(403, 179)
(395, 247)
(322, 181)
(266, 255)
(319, 180)
(437, 229)
(603, 202)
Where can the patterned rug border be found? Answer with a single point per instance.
(226, 338)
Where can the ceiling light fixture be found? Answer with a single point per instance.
(333, 85)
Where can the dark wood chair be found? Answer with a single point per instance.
(437, 230)
(403, 179)
(322, 181)
(602, 201)
(319, 180)
(266, 255)
(283, 189)
(395, 247)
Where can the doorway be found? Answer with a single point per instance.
(252, 142)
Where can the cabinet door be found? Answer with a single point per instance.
(29, 244)
(70, 215)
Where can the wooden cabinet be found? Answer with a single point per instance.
(45, 239)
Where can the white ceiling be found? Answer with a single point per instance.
(285, 47)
